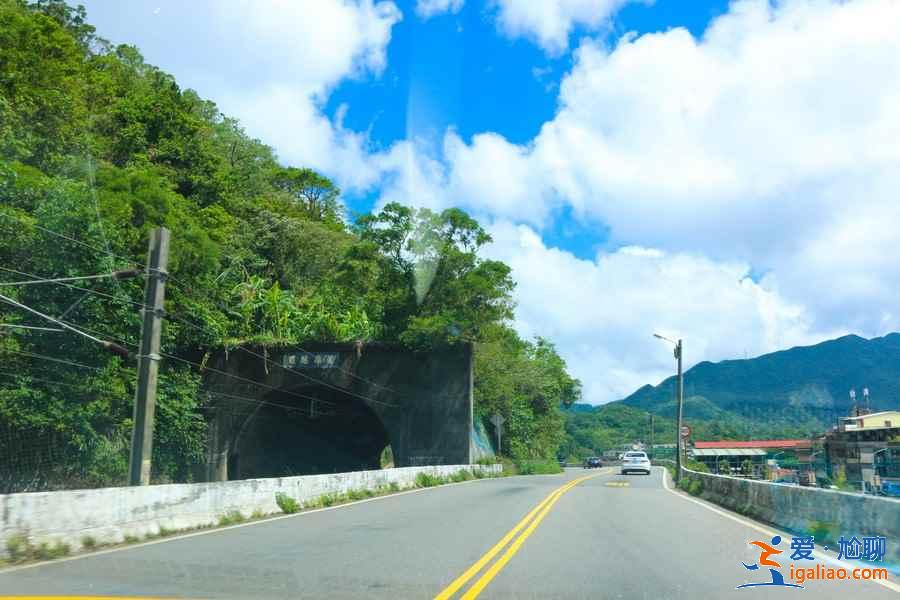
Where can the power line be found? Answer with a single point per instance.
(114, 275)
(30, 327)
(31, 378)
(183, 287)
(130, 261)
(246, 380)
(173, 279)
(275, 404)
(60, 281)
(108, 345)
(241, 348)
(50, 358)
(212, 369)
(270, 361)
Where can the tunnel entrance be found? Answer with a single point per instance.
(307, 430)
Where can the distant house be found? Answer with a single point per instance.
(861, 448)
(888, 419)
(736, 452)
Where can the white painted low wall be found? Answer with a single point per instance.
(799, 509)
(109, 514)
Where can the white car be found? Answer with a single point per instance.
(635, 462)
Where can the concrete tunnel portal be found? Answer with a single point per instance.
(307, 430)
(335, 407)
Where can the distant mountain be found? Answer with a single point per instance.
(796, 391)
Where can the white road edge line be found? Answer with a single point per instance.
(183, 536)
(767, 531)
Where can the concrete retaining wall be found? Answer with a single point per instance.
(109, 514)
(800, 509)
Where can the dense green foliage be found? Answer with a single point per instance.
(101, 147)
(609, 427)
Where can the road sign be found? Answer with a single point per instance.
(498, 420)
(685, 431)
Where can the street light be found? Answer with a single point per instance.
(678, 440)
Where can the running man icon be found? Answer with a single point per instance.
(766, 551)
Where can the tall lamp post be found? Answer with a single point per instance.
(680, 399)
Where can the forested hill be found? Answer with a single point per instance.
(97, 147)
(805, 387)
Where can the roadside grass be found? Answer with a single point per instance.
(20, 549)
(513, 467)
(231, 518)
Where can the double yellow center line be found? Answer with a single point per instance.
(529, 524)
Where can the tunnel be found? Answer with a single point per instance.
(334, 407)
(307, 430)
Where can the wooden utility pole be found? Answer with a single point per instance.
(679, 441)
(148, 358)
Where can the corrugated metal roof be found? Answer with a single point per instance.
(728, 452)
(755, 444)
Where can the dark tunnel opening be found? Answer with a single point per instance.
(326, 431)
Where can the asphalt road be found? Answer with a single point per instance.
(606, 537)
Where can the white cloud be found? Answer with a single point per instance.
(430, 8)
(549, 22)
(271, 63)
(770, 143)
(295, 54)
(602, 313)
(767, 147)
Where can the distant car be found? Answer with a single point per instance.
(592, 462)
(635, 462)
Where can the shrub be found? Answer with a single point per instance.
(461, 475)
(257, 514)
(230, 518)
(424, 480)
(46, 552)
(360, 494)
(88, 542)
(537, 467)
(823, 531)
(394, 486)
(329, 499)
(695, 487)
(17, 547)
(287, 504)
(131, 539)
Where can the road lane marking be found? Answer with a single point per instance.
(541, 511)
(769, 532)
(620, 484)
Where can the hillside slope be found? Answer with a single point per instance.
(803, 386)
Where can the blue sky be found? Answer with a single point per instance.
(723, 172)
(455, 71)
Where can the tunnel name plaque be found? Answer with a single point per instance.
(311, 360)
